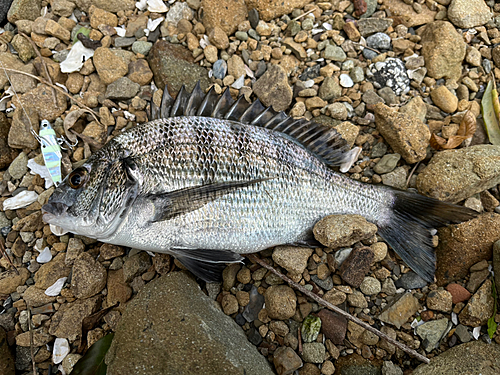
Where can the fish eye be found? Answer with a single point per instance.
(77, 178)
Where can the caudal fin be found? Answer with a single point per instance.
(407, 230)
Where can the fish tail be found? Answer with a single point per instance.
(407, 228)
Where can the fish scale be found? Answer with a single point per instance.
(236, 178)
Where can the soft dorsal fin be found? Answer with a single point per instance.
(323, 141)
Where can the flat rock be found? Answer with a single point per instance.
(292, 258)
(173, 64)
(455, 175)
(405, 14)
(466, 14)
(23, 10)
(10, 280)
(372, 25)
(169, 318)
(337, 231)
(52, 271)
(475, 357)
(225, 14)
(271, 9)
(333, 326)
(431, 333)
(406, 134)
(139, 72)
(118, 289)
(443, 49)
(41, 100)
(272, 88)
(463, 245)
(136, 265)
(67, 321)
(400, 311)
(36, 297)
(89, 276)
(109, 66)
(121, 89)
(479, 308)
(41, 337)
(356, 265)
(286, 361)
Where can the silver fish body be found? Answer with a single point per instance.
(205, 189)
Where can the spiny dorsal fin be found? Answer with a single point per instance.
(322, 140)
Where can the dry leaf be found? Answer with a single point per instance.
(70, 120)
(466, 130)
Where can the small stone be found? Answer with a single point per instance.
(219, 38)
(410, 280)
(357, 75)
(337, 231)
(273, 89)
(19, 166)
(466, 14)
(10, 280)
(313, 352)
(356, 265)
(178, 12)
(280, 302)
(139, 72)
(211, 53)
(334, 53)
(334, 296)
(346, 81)
(23, 10)
(52, 271)
(41, 337)
(439, 300)
(296, 48)
(370, 286)
(458, 293)
(400, 311)
(229, 304)
(121, 89)
(444, 99)
(479, 308)
(379, 251)
(55, 29)
(101, 17)
(390, 73)
(118, 289)
(89, 276)
(67, 321)
(379, 41)
(293, 259)
(387, 163)
(236, 66)
(357, 299)
(330, 89)
(136, 265)
(74, 249)
(463, 333)
(369, 26)
(431, 333)
(109, 66)
(142, 47)
(36, 297)
(286, 361)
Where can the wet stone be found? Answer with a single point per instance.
(410, 280)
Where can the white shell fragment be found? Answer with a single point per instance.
(61, 350)
(120, 31)
(346, 81)
(238, 84)
(58, 231)
(454, 318)
(142, 4)
(153, 24)
(476, 332)
(21, 200)
(41, 170)
(45, 256)
(76, 57)
(157, 6)
(55, 289)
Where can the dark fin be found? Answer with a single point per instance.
(154, 111)
(166, 103)
(206, 264)
(309, 242)
(408, 229)
(178, 202)
(322, 140)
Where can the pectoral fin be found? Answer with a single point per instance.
(178, 202)
(206, 264)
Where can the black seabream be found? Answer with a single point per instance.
(211, 178)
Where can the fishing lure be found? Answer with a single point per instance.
(51, 151)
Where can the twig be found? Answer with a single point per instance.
(47, 75)
(4, 253)
(371, 49)
(305, 14)
(411, 174)
(339, 311)
(31, 340)
(300, 339)
(45, 82)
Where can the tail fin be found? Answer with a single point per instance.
(407, 230)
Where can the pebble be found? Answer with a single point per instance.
(19, 166)
(136, 265)
(334, 53)
(89, 276)
(286, 361)
(387, 163)
(444, 99)
(346, 81)
(272, 88)
(330, 89)
(463, 333)
(220, 69)
(109, 66)
(141, 47)
(310, 328)
(479, 308)
(410, 280)
(356, 265)
(379, 41)
(431, 333)
(458, 293)
(280, 302)
(466, 14)
(400, 311)
(370, 286)
(439, 300)
(313, 352)
(121, 89)
(390, 73)
(293, 259)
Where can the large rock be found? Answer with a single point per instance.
(272, 88)
(463, 245)
(404, 13)
(108, 5)
(172, 325)
(89, 276)
(10, 280)
(474, 357)
(6, 360)
(271, 9)
(443, 49)
(225, 14)
(466, 14)
(337, 231)
(41, 100)
(173, 64)
(479, 308)
(24, 10)
(406, 134)
(455, 175)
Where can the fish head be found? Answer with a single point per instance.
(94, 198)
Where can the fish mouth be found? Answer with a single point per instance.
(53, 210)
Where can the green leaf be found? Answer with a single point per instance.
(92, 363)
(82, 30)
(489, 117)
(492, 326)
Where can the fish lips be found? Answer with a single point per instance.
(53, 210)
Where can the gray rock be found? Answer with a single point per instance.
(369, 26)
(89, 276)
(334, 53)
(410, 280)
(273, 89)
(400, 311)
(178, 12)
(475, 357)
(313, 352)
(19, 166)
(388, 95)
(378, 150)
(172, 324)
(325, 284)
(431, 332)
(479, 308)
(136, 265)
(391, 73)
(357, 74)
(369, 54)
(142, 47)
(379, 41)
(396, 178)
(121, 89)
(220, 69)
(4, 8)
(455, 175)
(463, 333)
(330, 89)
(124, 42)
(389, 368)
(387, 163)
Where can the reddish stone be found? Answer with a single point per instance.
(356, 266)
(458, 293)
(427, 315)
(333, 326)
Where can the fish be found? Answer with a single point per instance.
(209, 179)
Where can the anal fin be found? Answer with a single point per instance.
(206, 264)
